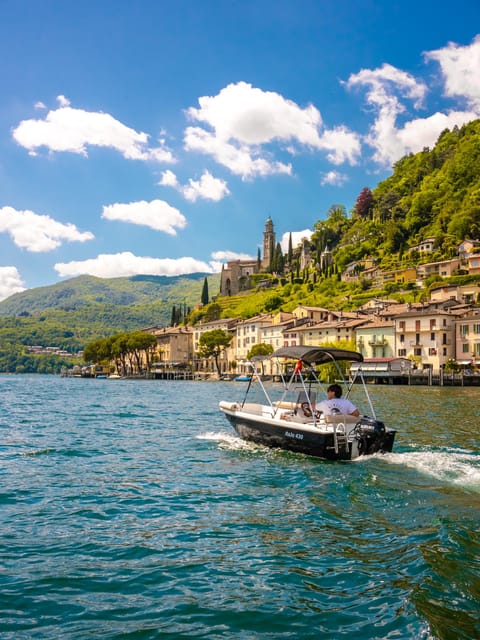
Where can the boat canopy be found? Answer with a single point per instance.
(317, 355)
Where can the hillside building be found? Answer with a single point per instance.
(235, 276)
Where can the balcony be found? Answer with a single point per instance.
(378, 342)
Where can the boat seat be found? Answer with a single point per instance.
(283, 404)
(341, 418)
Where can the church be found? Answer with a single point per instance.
(235, 276)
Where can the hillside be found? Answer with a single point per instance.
(434, 193)
(73, 313)
(70, 295)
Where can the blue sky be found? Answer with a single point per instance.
(157, 136)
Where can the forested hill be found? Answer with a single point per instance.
(88, 291)
(433, 193)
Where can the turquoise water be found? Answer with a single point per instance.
(129, 510)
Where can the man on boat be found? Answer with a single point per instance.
(336, 404)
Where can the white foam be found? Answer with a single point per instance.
(228, 441)
(457, 467)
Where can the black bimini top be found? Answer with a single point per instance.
(317, 355)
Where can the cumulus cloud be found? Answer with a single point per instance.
(38, 233)
(10, 282)
(241, 118)
(297, 237)
(333, 178)
(231, 255)
(207, 188)
(388, 90)
(127, 264)
(460, 68)
(241, 160)
(73, 130)
(157, 215)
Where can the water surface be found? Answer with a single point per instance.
(128, 509)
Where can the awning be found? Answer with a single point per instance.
(464, 362)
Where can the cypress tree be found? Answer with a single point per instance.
(204, 298)
(290, 250)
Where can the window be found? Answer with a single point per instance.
(476, 328)
(432, 352)
(432, 337)
(417, 352)
(402, 325)
(402, 338)
(417, 325)
(402, 352)
(432, 324)
(465, 347)
(463, 330)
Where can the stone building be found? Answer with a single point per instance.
(235, 276)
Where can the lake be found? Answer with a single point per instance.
(128, 509)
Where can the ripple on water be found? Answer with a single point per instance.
(121, 519)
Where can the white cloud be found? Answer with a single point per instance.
(334, 178)
(241, 160)
(231, 255)
(156, 214)
(242, 118)
(208, 187)
(127, 264)
(460, 67)
(297, 237)
(169, 179)
(388, 86)
(73, 130)
(63, 101)
(38, 233)
(383, 80)
(10, 282)
(252, 116)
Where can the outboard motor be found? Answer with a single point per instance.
(369, 434)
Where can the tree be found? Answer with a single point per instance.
(204, 298)
(260, 349)
(212, 344)
(364, 203)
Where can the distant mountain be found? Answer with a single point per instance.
(87, 291)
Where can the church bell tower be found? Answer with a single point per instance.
(268, 243)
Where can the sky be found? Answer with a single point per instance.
(157, 136)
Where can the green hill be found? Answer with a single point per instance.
(73, 294)
(72, 313)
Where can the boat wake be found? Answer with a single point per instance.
(456, 467)
(228, 441)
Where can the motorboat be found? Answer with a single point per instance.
(285, 415)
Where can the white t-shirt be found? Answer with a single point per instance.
(336, 405)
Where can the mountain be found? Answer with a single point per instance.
(88, 291)
(70, 314)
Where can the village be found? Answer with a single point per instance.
(399, 341)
